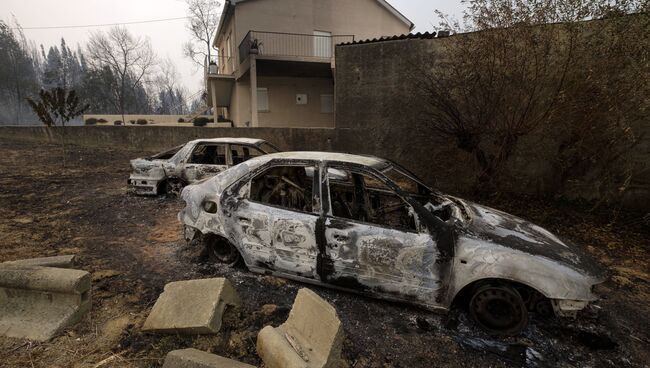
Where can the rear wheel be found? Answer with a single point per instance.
(221, 250)
(499, 309)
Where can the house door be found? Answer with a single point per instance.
(322, 44)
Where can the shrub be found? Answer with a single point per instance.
(91, 121)
(131, 121)
(200, 121)
(117, 122)
(142, 122)
(102, 121)
(181, 120)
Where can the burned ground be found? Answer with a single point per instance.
(133, 246)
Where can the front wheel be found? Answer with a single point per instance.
(499, 309)
(173, 187)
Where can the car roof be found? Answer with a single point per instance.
(371, 161)
(253, 141)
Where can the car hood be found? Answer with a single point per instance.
(513, 232)
(143, 165)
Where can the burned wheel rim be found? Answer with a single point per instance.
(174, 188)
(222, 251)
(499, 310)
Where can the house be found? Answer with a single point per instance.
(277, 56)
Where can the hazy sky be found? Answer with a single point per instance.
(167, 38)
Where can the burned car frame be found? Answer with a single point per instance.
(169, 171)
(367, 225)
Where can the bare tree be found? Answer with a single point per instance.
(129, 58)
(203, 23)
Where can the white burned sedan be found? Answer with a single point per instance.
(168, 172)
(365, 224)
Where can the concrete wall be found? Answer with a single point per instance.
(372, 92)
(158, 138)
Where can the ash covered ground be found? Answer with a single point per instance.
(133, 247)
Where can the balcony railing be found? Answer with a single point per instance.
(290, 45)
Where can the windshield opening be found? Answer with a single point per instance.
(268, 147)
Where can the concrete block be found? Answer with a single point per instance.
(192, 358)
(38, 302)
(311, 337)
(191, 307)
(67, 261)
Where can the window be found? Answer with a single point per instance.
(241, 153)
(268, 147)
(404, 181)
(208, 154)
(263, 99)
(284, 186)
(326, 104)
(362, 197)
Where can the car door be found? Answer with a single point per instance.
(276, 220)
(242, 152)
(372, 241)
(207, 159)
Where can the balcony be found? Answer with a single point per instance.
(290, 46)
(219, 80)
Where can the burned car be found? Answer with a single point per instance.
(366, 224)
(168, 172)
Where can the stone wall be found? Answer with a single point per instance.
(372, 93)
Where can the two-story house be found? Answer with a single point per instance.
(275, 58)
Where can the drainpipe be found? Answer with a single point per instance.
(253, 74)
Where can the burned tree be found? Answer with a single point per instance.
(57, 107)
(523, 68)
(203, 22)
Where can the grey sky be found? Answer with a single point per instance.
(167, 38)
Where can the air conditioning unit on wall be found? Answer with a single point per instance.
(301, 99)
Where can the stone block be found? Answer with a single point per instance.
(192, 358)
(191, 307)
(311, 337)
(38, 302)
(67, 261)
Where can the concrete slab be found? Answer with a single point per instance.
(311, 337)
(66, 261)
(37, 303)
(192, 358)
(191, 307)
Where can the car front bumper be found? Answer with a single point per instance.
(143, 185)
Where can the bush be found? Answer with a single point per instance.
(117, 122)
(181, 120)
(102, 121)
(131, 121)
(201, 121)
(91, 121)
(142, 122)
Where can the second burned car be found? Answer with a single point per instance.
(365, 224)
(169, 171)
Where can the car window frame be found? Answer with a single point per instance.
(229, 159)
(196, 146)
(364, 170)
(316, 209)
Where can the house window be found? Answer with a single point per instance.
(326, 104)
(262, 99)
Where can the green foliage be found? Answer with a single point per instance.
(142, 122)
(91, 121)
(181, 120)
(102, 121)
(117, 122)
(57, 106)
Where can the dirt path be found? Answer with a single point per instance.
(132, 245)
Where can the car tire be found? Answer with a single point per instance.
(498, 309)
(221, 251)
(173, 187)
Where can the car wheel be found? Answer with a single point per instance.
(499, 309)
(220, 250)
(173, 187)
